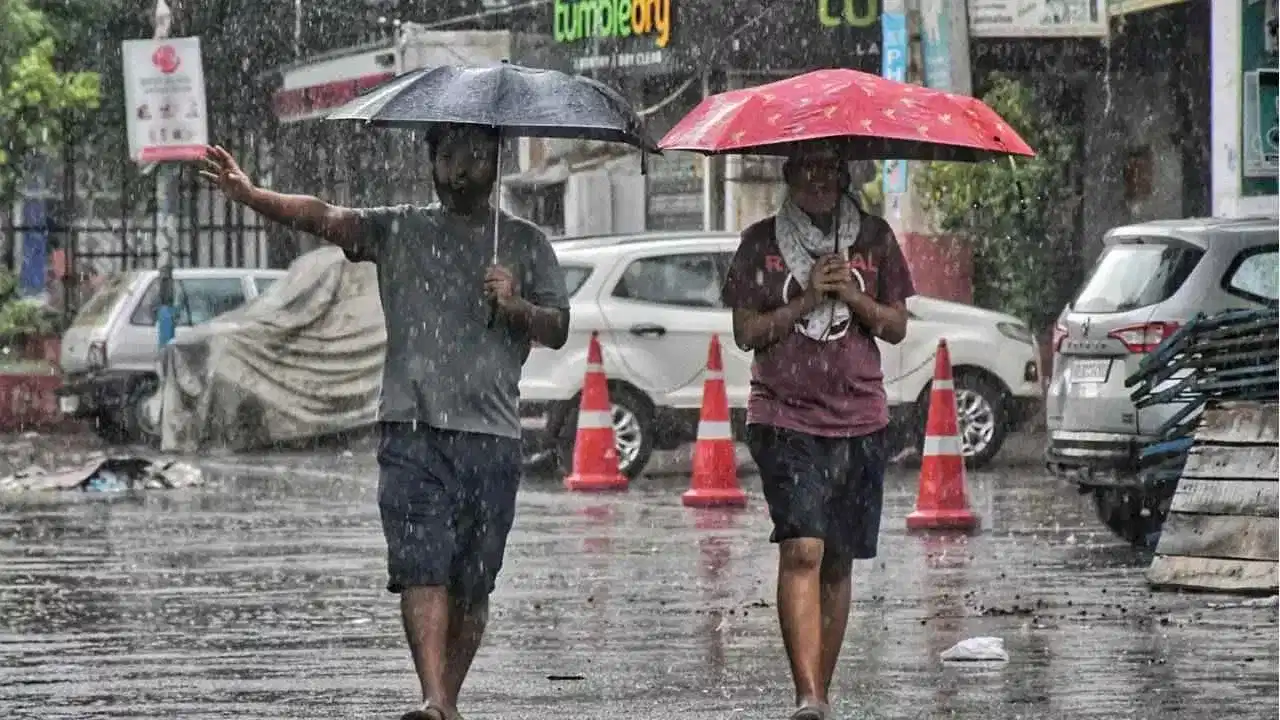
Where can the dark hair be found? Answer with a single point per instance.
(844, 182)
(436, 133)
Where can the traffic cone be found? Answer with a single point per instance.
(943, 501)
(595, 452)
(715, 466)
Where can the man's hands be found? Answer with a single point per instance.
(830, 276)
(500, 286)
(222, 170)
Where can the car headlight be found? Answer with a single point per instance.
(1015, 331)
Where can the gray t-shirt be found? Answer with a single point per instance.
(444, 367)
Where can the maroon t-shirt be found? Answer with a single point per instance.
(833, 388)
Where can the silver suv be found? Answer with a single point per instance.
(1149, 279)
(109, 353)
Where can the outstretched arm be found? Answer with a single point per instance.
(339, 225)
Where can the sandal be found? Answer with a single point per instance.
(426, 712)
(810, 712)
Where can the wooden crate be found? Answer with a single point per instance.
(1223, 529)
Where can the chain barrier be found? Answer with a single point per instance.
(932, 356)
(620, 357)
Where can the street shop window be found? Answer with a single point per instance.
(690, 280)
(1255, 275)
(1136, 273)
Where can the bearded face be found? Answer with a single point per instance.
(464, 168)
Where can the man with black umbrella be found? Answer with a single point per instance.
(459, 328)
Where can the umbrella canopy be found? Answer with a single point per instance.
(519, 101)
(866, 116)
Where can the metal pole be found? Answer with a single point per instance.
(166, 200)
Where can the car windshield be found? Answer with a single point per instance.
(1136, 274)
(99, 306)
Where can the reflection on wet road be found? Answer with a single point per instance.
(261, 597)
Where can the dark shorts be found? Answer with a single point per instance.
(447, 501)
(822, 487)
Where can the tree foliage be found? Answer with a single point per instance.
(1017, 214)
(37, 100)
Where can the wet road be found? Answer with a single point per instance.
(260, 597)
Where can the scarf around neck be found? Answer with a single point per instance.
(801, 243)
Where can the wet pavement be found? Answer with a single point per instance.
(261, 596)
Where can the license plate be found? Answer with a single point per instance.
(69, 404)
(1090, 371)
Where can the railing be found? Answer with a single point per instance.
(1230, 356)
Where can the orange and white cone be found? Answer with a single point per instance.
(943, 501)
(715, 464)
(595, 452)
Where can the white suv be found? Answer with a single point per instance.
(654, 298)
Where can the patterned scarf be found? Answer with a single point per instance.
(801, 244)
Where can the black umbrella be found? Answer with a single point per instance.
(519, 101)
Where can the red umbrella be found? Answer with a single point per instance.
(871, 117)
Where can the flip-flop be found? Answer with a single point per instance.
(429, 712)
(810, 712)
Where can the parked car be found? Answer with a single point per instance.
(1149, 279)
(654, 299)
(108, 355)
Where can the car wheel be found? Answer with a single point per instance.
(981, 414)
(1135, 516)
(128, 425)
(632, 432)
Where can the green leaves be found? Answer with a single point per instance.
(37, 100)
(1016, 213)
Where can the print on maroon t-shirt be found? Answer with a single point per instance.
(833, 388)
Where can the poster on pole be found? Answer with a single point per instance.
(164, 100)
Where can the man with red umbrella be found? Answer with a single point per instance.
(812, 288)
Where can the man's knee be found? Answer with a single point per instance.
(800, 555)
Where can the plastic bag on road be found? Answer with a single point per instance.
(979, 649)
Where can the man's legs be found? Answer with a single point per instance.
(799, 614)
(444, 635)
(837, 593)
(853, 532)
(425, 612)
(467, 621)
(794, 474)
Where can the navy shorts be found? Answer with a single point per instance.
(447, 501)
(822, 487)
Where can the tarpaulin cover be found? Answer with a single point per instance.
(302, 360)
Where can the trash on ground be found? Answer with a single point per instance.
(979, 649)
(110, 474)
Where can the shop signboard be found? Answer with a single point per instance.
(656, 36)
(613, 34)
(1037, 18)
(164, 99)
